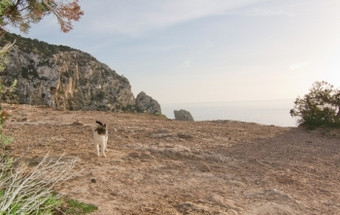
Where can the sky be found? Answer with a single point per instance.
(182, 51)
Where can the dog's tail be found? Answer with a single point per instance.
(100, 123)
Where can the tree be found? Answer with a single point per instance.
(320, 107)
(21, 13)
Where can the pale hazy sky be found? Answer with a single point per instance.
(209, 50)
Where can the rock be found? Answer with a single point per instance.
(63, 78)
(146, 104)
(192, 208)
(183, 115)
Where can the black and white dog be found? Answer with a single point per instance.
(100, 137)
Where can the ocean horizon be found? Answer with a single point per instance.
(266, 112)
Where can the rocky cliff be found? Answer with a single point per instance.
(63, 78)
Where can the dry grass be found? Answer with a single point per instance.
(27, 190)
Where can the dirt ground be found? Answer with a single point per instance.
(160, 166)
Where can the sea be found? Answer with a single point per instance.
(266, 112)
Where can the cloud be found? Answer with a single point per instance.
(268, 12)
(136, 17)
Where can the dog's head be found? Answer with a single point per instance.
(101, 128)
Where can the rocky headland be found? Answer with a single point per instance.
(67, 79)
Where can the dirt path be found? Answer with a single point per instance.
(159, 166)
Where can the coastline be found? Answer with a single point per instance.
(266, 112)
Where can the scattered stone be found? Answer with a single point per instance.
(192, 208)
(160, 135)
(77, 123)
(204, 167)
(185, 136)
(93, 180)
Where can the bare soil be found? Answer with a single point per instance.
(160, 166)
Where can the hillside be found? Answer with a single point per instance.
(66, 79)
(160, 166)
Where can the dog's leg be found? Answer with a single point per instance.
(102, 144)
(104, 148)
(97, 147)
(106, 138)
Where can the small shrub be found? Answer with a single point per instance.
(319, 108)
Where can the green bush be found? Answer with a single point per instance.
(319, 108)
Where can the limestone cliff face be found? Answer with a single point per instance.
(63, 78)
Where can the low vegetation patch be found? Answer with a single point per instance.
(72, 206)
(27, 190)
(319, 108)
